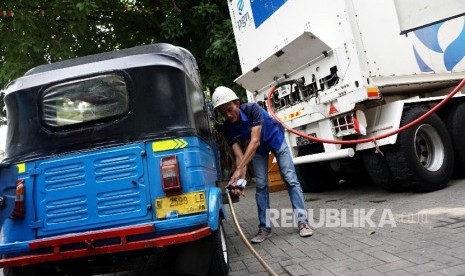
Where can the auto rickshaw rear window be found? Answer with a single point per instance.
(85, 100)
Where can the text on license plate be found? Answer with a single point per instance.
(189, 203)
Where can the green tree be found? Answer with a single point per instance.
(45, 31)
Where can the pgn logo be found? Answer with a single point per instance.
(245, 18)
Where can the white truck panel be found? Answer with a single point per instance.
(370, 27)
(274, 68)
(289, 21)
(415, 14)
(382, 119)
(383, 46)
(390, 54)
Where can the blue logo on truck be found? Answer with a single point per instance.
(240, 6)
(452, 53)
(244, 16)
(263, 9)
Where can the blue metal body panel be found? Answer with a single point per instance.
(8, 178)
(106, 188)
(84, 191)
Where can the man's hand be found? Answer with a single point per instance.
(232, 185)
(238, 174)
(235, 190)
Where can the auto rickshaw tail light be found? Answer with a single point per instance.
(170, 175)
(19, 210)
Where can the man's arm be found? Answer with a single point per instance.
(248, 155)
(239, 155)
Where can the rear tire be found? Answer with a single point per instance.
(379, 172)
(456, 128)
(422, 158)
(219, 265)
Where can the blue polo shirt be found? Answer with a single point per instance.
(272, 135)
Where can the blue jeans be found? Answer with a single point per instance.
(287, 171)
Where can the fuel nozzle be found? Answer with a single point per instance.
(238, 188)
(241, 183)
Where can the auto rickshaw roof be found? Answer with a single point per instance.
(164, 99)
(139, 56)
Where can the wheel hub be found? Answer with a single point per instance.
(429, 147)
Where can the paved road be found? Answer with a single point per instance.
(422, 234)
(428, 237)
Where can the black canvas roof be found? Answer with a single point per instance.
(121, 59)
(165, 101)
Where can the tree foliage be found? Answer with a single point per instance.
(45, 31)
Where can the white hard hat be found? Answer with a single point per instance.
(223, 95)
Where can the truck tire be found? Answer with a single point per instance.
(219, 265)
(379, 172)
(422, 158)
(316, 177)
(455, 126)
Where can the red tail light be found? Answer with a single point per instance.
(170, 175)
(19, 210)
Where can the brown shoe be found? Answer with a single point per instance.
(305, 230)
(261, 236)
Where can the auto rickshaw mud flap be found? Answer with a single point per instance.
(216, 210)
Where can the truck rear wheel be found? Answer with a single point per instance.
(379, 172)
(422, 158)
(455, 126)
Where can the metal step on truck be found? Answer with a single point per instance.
(111, 158)
(341, 70)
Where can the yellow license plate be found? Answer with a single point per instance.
(184, 204)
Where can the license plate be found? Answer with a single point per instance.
(184, 204)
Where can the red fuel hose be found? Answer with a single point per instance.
(364, 140)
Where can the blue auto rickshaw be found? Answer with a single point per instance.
(107, 156)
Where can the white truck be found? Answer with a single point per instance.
(342, 71)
